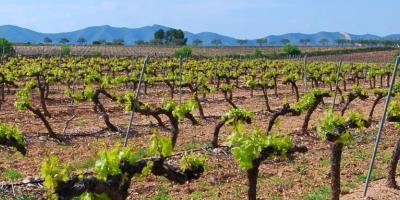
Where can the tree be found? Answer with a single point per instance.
(305, 41)
(175, 37)
(242, 42)
(185, 51)
(257, 53)
(140, 42)
(47, 40)
(262, 41)
(64, 40)
(81, 40)
(324, 41)
(5, 46)
(197, 42)
(118, 41)
(341, 42)
(285, 41)
(388, 43)
(99, 42)
(155, 42)
(65, 50)
(159, 36)
(216, 42)
(291, 50)
(96, 42)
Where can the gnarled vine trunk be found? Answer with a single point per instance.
(265, 95)
(336, 157)
(42, 93)
(228, 97)
(99, 108)
(391, 179)
(252, 175)
(218, 127)
(46, 123)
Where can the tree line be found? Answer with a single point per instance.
(176, 37)
(83, 41)
(307, 41)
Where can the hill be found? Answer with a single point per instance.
(130, 35)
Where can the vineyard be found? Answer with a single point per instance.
(202, 128)
(158, 51)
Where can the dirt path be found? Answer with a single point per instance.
(376, 191)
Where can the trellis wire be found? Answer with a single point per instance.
(135, 100)
(378, 137)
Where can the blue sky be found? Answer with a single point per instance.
(237, 18)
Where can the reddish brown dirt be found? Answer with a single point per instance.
(377, 190)
(298, 179)
(158, 50)
(370, 57)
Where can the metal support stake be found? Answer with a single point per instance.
(305, 73)
(337, 84)
(378, 137)
(135, 100)
(180, 79)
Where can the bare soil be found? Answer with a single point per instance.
(306, 177)
(159, 50)
(377, 190)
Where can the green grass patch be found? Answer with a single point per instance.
(325, 162)
(84, 164)
(348, 186)
(190, 146)
(321, 193)
(280, 181)
(162, 193)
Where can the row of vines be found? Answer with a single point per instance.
(27, 83)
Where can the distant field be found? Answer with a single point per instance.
(158, 51)
(368, 57)
(372, 56)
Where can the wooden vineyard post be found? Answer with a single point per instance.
(378, 137)
(215, 77)
(180, 79)
(336, 84)
(137, 94)
(305, 73)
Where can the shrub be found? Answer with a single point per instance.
(184, 51)
(258, 53)
(95, 53)
(291, 50)
(65, 50)
(5, 46)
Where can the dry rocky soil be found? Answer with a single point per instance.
(305, 177)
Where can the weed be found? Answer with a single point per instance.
(321, 193)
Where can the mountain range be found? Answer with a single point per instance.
(130, 35)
